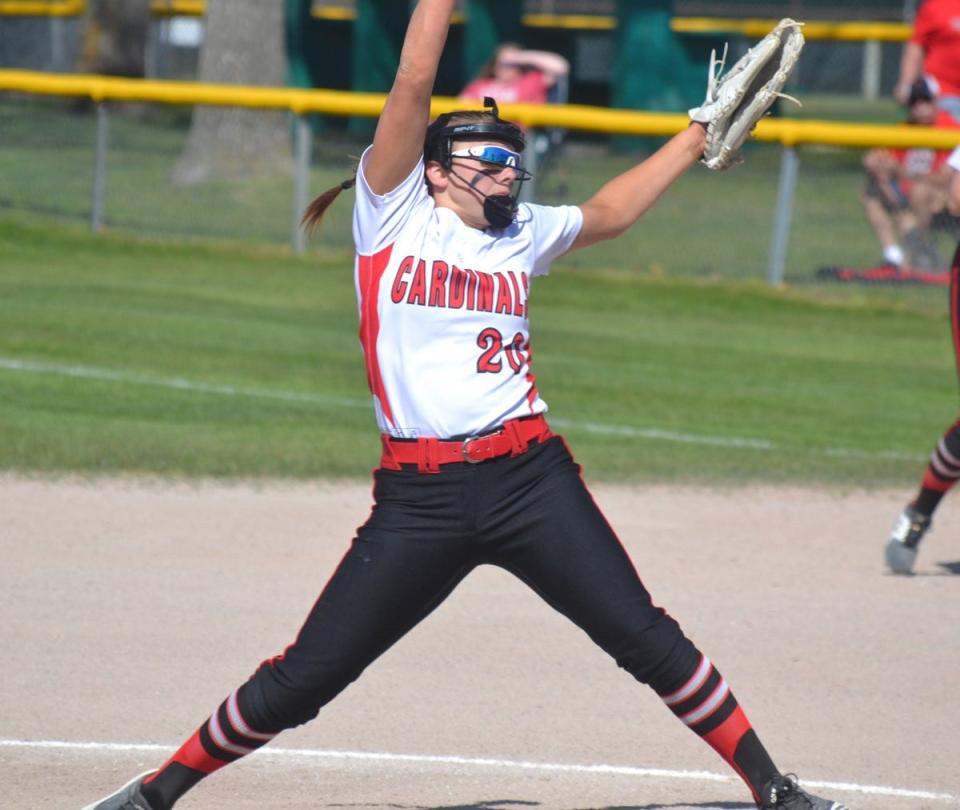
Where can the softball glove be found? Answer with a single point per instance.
(737, 101)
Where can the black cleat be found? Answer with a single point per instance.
(783, 793)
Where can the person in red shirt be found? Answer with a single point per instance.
(906, 187)
(515, 74)
(934, 51)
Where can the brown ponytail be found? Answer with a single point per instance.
(316, 209)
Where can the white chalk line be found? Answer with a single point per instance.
(381, 758)
(654, 434)
(106, 375)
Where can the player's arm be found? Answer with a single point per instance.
(914, 51)
(879, 162)
(887, 173)
(398, 141)
(625, 198)
(551, 65)
(940, 177)
(911, 65)
(953, 194)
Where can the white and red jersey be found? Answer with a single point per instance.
(954, 160)
(443, 309)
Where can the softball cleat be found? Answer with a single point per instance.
(128, 797)
(901, 551)
(783, 793)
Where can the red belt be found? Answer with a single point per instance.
(428, 454)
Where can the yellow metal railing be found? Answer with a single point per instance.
(841, 31)
(786, 131)
(577, 22)
(789, 133)
(844, 31)
(42, 8)
(185, 8)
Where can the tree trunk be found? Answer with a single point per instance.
(243, 44)
(115, 38)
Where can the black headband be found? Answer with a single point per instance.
(437, 145)
(502, 131)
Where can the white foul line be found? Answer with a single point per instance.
(106, 375)
(381, 758)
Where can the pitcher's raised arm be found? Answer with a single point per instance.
(398, 142)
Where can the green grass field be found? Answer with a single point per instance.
(122, 354)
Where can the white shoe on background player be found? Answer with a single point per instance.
(901, 551)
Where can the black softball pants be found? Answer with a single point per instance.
(531, 515)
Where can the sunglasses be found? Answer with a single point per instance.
(495, 155)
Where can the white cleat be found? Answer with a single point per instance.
(901, 551)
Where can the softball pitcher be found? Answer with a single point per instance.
(943, 469)
(470, 473)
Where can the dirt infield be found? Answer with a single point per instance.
(132, 607)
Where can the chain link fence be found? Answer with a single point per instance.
(709, 226)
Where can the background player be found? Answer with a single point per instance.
(905, 188)
(943, 470)
(470, 473)
(934, 51)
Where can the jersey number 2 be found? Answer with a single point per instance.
(491, 341)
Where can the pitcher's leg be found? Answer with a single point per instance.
(385, 585)
(562, 546)
(397, 570)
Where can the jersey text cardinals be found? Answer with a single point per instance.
(444, 309)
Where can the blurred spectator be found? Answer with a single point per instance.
(934, 51)
(515, 74)
(906, 188)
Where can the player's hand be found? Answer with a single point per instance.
(902, 93)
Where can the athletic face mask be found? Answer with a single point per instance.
(498, 209)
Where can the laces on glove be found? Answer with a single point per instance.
(716, 69)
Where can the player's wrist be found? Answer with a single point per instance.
(697, 133)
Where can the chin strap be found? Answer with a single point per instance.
(498, 209)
